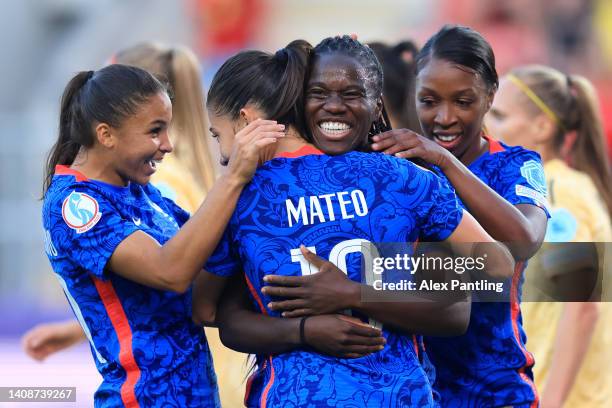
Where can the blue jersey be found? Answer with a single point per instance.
(333, 204)
(143, 340)
(489, 365)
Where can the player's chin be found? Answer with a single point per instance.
(142, 178)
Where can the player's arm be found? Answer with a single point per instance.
(207, 290)
(522, 227)
(174, 265)
(46, 339)
(574, 332)
(439, 314)
(244, 330)
(330, 291)
(573, 267)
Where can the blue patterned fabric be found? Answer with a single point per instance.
(332, 204)
(171, 365)
(489, 366)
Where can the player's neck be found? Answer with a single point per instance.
(547, 152)
(290, 143)
(95, 167)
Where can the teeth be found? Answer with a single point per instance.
(332, 127)
(448, 138)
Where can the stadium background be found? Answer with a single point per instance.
(44, 42)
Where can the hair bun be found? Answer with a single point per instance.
(282, 55)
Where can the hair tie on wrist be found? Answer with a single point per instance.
(302, 336)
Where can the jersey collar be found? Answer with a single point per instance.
(63, 170)
(302, 151)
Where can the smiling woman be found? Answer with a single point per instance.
(333, 203)
(502, 186)
(124, 255)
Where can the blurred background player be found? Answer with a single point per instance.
(398, 63)
(558, 116)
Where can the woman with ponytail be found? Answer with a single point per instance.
(298, 199)
(557, 115)
(125, 255)
(185, 176)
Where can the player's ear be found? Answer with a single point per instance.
(250, 113)
(104, 135)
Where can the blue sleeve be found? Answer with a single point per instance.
(224, 261)
(87, 228)
(438, 212)
(520, 179)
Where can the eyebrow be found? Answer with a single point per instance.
(324, 85)
(158, 122)
(462, 91)
(497, 112)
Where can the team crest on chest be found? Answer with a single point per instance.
(80, 212)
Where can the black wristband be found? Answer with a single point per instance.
(302, 335)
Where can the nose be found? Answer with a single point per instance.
(445, 116)
(334, 103)
(165, 144)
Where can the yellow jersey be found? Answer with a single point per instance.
(577, 215)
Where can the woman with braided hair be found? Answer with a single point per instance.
(391, 200)
(398, 62)
(502, 186)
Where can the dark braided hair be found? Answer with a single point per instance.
(350, 47)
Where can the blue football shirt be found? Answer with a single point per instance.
(143, 340)
(333, 204)
(489, 366)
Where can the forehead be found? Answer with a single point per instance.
(218, 121)
(447, 77)
(337, 71)
(509, 96)
(155, 107)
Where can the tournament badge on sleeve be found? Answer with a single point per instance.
(80, 212)
(533, 173)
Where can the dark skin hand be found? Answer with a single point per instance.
(521, 227)
(244, 330)
(330, 290)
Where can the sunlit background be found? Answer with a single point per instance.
(44, 42)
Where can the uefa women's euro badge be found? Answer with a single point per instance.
(80, 212)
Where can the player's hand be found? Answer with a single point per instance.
(342, 336)
(248, 145)
(45, 339)
(408, 144)
(327, 291)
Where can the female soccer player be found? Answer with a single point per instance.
(502, 186)
(184, 177)
(557, 115)
(125, 256)
(334, 204)
(172, 178)
(398, 63)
